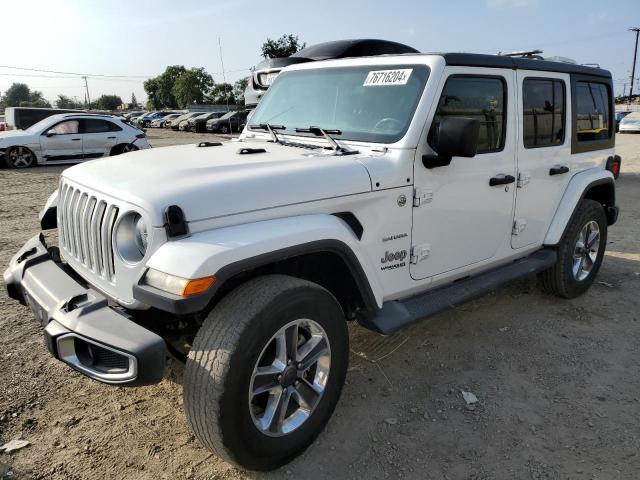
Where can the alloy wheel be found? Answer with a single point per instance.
(290, 377)
(20, 157)
(585, 251)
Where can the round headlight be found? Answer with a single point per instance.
(132, 236)
(141, 235)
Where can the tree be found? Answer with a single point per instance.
(16, 94)
(134, 100)
(160, 89)
(285, 46)
(238, 90)
(192, 87)
(67, 102)
(221, 94)
(108, 102)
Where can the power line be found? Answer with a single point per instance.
(73, 73)
(100, 75)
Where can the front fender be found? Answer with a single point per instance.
(227, 251)
(576, 190)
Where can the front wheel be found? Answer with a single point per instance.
(580, 252)
(19, 157)
(266, 370)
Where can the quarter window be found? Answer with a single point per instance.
(592, 111)
(482, 98)
(543, 110)
(99, 126)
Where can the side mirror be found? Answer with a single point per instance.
(50, 134)
(452, 137)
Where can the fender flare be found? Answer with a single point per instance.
(577, 189)
(229, 251)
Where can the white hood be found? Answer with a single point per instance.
(209, 182)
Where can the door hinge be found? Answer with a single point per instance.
(419, 253)
(420, 197)
(523, 179)
(519, 224)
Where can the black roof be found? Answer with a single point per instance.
(498, 61)
(362, 47)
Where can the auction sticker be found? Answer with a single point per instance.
(387, 77)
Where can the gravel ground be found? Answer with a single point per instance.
(557, 383)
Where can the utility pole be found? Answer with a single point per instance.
(86, 86)
(633, 69)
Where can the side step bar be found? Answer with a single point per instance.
(398, 314)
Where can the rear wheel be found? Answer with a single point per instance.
(266, 370)
(19, 157)
(123, 148)
(580, 252)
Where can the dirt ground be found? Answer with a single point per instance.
(557, 383)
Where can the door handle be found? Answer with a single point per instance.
(75, 139)
(558, 170)
(111, 138)
(501, 180)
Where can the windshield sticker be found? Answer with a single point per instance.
(387, 77)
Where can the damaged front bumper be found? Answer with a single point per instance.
(80, 327)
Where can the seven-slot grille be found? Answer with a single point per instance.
(85, 229)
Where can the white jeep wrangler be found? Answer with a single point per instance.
(381, 189)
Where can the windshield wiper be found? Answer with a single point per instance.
(326, 133)
(271, 129)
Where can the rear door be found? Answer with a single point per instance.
(461, 219)
(62, 141)
(544, 151)
(99, 137)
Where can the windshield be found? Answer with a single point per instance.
(36, 127)
(366, 103)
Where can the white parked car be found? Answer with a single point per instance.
(161, 122)
(381, 190)
(70, 138)
(630, 123)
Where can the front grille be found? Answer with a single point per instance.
(85, 229)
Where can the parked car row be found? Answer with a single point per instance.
(198, 122)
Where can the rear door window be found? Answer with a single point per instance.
(543, 112)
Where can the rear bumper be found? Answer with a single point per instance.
(80, 328)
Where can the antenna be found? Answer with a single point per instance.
(224, 78)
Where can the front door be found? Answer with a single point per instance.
(544, 149)
(62, 142)
(461, 219)
(98, 137)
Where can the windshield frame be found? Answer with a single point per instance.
(344, 137)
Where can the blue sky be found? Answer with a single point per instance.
(139, 38)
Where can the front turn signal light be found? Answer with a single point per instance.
(183, 287)
(197, 286)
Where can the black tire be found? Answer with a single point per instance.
(224, 129)
(233, 338)
(560, 279)
(19, 157)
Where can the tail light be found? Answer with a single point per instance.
(613, 165)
